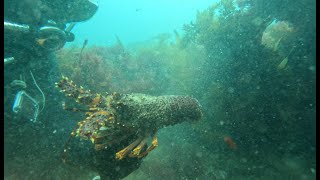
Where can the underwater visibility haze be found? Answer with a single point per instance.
(221, 89)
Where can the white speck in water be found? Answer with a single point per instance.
(199, 154)
(96, 178)
(231, 90)
(244, 160)
(54, 131)
(312, 68)
(221, 123)
(312, 170)
(117, 168)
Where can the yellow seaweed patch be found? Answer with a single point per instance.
(109, 101)
(99, 147)
(102, 113)
(96, 100)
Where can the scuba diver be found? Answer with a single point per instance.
(33, 31)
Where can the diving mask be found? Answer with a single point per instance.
(48, 37)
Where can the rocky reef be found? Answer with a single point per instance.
(113, 117)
